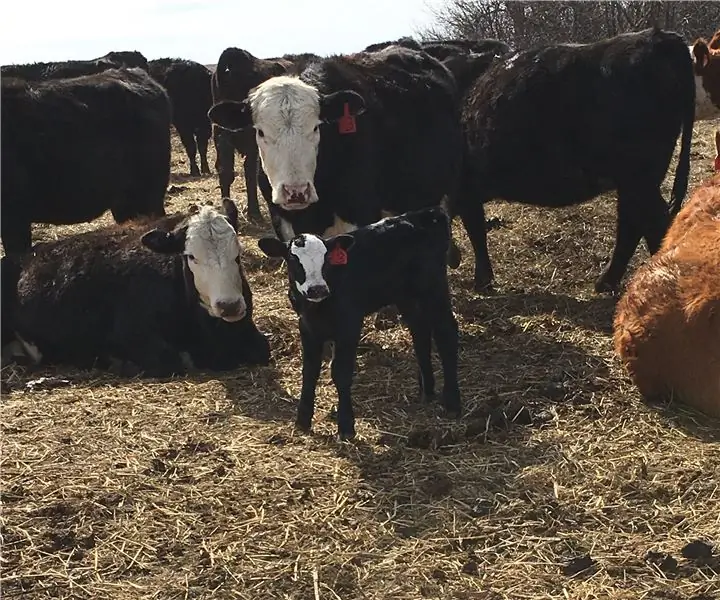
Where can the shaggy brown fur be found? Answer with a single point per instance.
(667, 325)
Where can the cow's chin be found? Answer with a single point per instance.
(234, 319)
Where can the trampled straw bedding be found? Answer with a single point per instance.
(558, 483)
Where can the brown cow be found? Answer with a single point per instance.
(706, 59)
(667, 324)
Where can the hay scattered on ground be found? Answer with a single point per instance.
(558, 483)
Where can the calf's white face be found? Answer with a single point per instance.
(308, 259)
(212, 251)
(308, 251)
(213, 257)
(287, 114)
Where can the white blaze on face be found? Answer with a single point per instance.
(286, 117)
(310, 251)
(213, 257)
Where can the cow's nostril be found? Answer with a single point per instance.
(229, 309)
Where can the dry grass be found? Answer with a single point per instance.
(199, 487)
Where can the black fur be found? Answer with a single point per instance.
(400, 261)
(188, 85)
(236, 73)
(103, 294)
(75, 68)
(559, 125)
(74, 148)
(406, 152)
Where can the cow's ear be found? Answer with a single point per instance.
(701, 53)
(272, 247)
(333, 106)
(165, 242)
(231, 212)
(231, 115)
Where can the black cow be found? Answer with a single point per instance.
(74, 148)
(188, 85)
(561, 124)
(335, 283)
(236, 73)
(351, 137)
(75, 68)
(142, 292)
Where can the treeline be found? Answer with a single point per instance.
(526, 24)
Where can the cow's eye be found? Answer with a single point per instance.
(261, 133)
(316, 128)
(190, 257)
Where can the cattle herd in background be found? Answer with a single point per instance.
(365, 159)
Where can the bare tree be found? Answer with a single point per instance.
(524, 24)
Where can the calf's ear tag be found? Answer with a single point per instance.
(346, 123)
(338, 256)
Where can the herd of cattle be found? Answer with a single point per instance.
(365, 160)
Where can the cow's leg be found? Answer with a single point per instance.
(187, 138)
(630, 204)
(250, 168)
(312, 349)
(421, 333)
(445, 332)
(16, 235)
(472, 214)
(342, 371)
(203, 138)
(225, 159)
(656, 221)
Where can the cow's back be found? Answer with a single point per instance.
(73, 148)
(578, 119)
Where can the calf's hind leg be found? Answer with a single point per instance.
(421, 334)
(445, 331)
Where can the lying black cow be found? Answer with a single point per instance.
(335, 283)
(188, 84)
(142, 293)
(75, 68)
(559, 125)
(74, 148)
(352, 137)
(236, 73)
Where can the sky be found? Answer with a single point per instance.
(48, 30)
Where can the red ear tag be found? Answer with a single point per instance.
(338, 256)
(346, 123)
(717, 163)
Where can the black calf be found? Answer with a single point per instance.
(335, 283)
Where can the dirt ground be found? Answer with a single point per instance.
(558, 483)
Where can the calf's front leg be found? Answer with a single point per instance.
(312, 347)
(342, 371)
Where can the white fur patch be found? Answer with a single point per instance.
(286, 117)
(213, 252)
(312, 258)
(338, 227)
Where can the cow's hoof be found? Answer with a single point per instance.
(603, 286)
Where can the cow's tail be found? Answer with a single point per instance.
(682, 171)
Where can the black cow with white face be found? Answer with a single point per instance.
(352, 137)
(145, 293)
(334, 283)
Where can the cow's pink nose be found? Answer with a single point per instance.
(296, 193)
